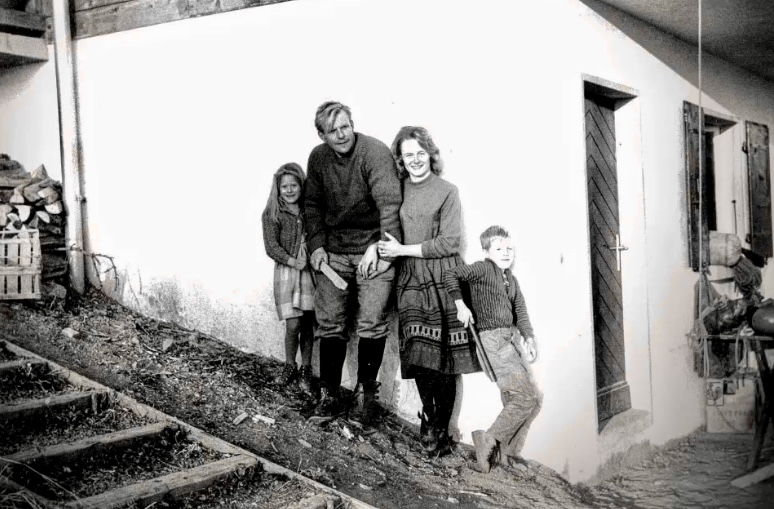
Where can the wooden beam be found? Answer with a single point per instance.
(149, 492)
(68, 451)
(207, 7)
(100, 17)
(82, 5)
(755, 477)
(128, 15)
(20, 363)
(24, 494)
(22, 23)
(33, 408)
(20, 49)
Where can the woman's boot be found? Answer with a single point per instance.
(428, 436)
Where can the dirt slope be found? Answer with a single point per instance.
(208, 384)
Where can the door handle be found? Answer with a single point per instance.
(618, 248)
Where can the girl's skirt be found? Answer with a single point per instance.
(293, 291)
(430, 334)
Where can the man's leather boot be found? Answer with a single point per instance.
(366, 409)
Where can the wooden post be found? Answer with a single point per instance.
(69, 140)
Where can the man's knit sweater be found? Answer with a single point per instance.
(494, 304)
(352, 199)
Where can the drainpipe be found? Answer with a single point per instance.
(69, 140)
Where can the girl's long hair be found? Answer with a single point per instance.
(274, 204)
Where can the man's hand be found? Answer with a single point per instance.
(318, 256)
(530, 349)
(381, 266)
(389, 248)
(463, 313)
(369, 262)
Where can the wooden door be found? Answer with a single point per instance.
(613, 395)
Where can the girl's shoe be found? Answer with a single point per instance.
(288, 374)
(305, 379)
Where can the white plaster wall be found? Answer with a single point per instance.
(29, 118)
(184, 123)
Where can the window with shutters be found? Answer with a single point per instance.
(759, 184)
(711, 206)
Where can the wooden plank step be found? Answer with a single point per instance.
(149, 492)
(194, 433)
(26, 497)
(32, 408)
(20, 363)
(62, 452)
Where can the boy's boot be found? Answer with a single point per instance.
(485, 449)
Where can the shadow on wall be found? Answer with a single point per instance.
(683, 58)
(16, 79)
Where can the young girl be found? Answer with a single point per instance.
(283, 236)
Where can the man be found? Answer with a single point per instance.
(352, 199)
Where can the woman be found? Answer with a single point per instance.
(435, 346)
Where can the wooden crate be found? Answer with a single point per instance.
(20, 265)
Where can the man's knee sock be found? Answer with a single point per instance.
(369, 354)
(333, 352)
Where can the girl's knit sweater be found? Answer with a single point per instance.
(282, 239)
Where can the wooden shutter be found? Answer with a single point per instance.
(760, 189)
(698, 231)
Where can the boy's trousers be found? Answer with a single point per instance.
(520, 396)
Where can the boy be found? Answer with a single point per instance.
(499, 306)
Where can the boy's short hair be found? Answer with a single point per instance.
(491, 233)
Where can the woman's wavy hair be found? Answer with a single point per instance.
(274, 204)
(425, 141)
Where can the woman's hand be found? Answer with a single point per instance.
(390, 248)
(300, 263)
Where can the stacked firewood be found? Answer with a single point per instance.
(34, 201)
